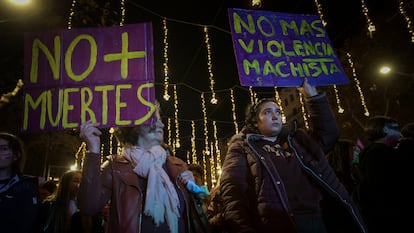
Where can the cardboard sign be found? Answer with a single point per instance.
(279, 49)
(102, 74)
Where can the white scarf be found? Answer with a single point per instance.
(161, 197)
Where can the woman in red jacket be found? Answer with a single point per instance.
(146, 187)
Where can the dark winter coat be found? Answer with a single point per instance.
(253, 193)
(19, 205)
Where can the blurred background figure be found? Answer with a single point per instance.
(404, 176)
(408, 132)
(379, 165)
(344, 160)
(59, 213)
(19, 195)
(46, 189)
(198, 173)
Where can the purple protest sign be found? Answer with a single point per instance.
(103, 74)
(280, 49)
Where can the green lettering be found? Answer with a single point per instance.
(92, 58)
(54, 61)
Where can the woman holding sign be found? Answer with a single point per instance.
(274, 181)
(146, 187)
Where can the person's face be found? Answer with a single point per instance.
(43, 193)
(393, 134)
(75, 182)
(198, 179)
(269, 119)
(153, 136)
(6, 154)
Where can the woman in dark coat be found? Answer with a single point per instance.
(274, 181)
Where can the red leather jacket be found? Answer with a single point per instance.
(118, 183)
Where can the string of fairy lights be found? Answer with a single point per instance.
(401, 7)
(210, 66)
(370, 24)
(211, 151)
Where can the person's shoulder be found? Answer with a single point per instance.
(406, 145)
(237, 138)
(116, 158)
(175, 160)
(29, 179)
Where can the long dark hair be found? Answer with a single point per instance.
(62, 199)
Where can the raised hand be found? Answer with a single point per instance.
(307, 90)
(90, 134)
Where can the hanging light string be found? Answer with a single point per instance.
(212, 172)
(256, 3)
(253, 96)
(210, 67)
(338, 101)
(188, 157)
(279, 102)
(122, 21)
(102, 151)
(218, 153)
(6, 97)
(166, 69)
(407, 19)
(371, 26)
(119, 148)
(302, 104)
(71, 13)
(169, 131)
(203, 106)
(80, 155)
(193, 143)
(320, 12)
(214, 159)
(111, 138)
(357, 84)
(233, 110)
(177, 129)
(209, 159)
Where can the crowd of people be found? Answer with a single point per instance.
(275, 178)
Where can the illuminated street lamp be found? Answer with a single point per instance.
(20, 2)
(385, 70)
(16, 10)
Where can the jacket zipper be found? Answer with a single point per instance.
(275, 183)
(322, 181)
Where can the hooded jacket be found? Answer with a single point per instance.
(253, 193)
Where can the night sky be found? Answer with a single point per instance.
(347, 29)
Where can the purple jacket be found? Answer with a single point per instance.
(252, 191)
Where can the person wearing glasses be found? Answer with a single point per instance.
(379, 164)
(274, 179)
(19, 195)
